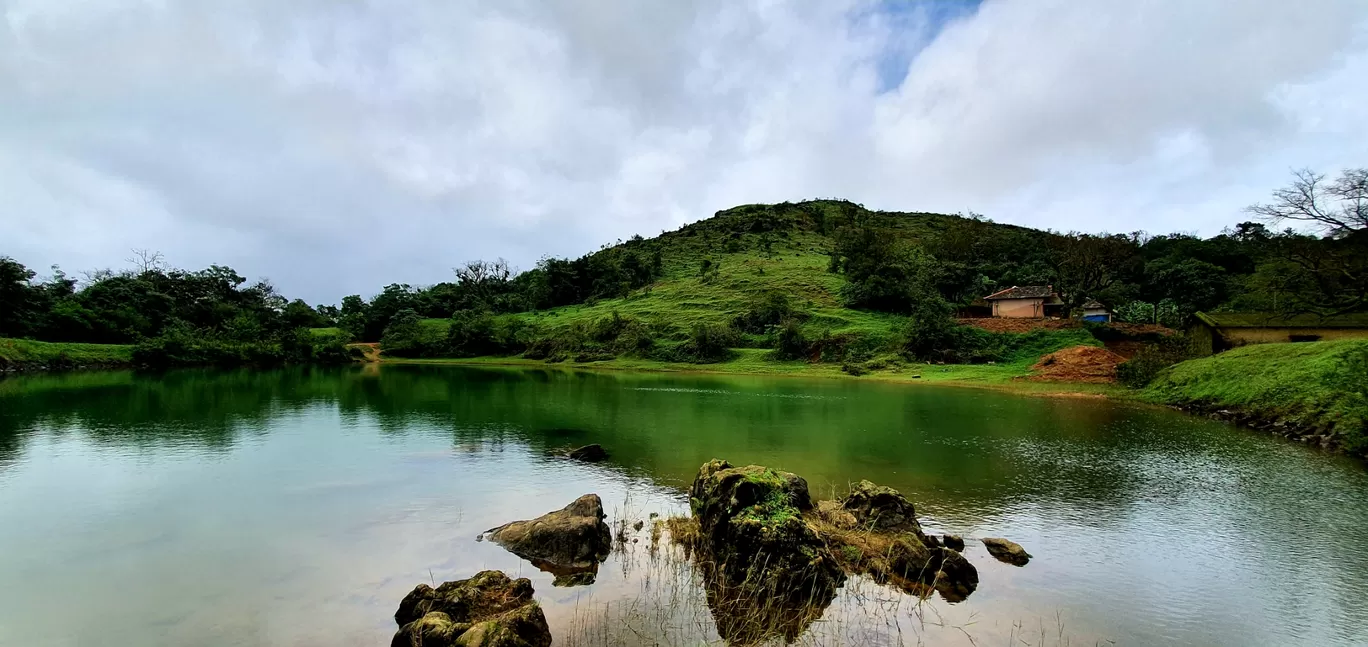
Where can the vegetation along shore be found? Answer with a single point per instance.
(816, 288)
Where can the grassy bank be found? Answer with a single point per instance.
(754, 361)
(25, 354)
(1315, 391)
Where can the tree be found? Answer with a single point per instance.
(1093, 267)
(403, 335)
(1330, 275)
(1335, 209)
(144, 261)
(15, 298)
(882, 272)
(1192, 284)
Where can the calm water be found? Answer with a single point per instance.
(297, 508)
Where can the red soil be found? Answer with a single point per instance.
(1077, 364)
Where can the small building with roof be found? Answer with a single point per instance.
(1216, 332)
(1094, 310)
(1026, 302)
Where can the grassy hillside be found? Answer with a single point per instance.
(28, 354)
(719, 271)
(1308, 389)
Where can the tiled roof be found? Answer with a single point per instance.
(1093, 304)
(1023, 292)
(1270, 320)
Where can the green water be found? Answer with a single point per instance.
(298, 507)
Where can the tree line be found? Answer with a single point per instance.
(1321, 270)
(922, 266)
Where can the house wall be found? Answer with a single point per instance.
(1019, 308)
(1243, 336)
(1203, 339)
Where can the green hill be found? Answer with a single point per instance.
(752, 274)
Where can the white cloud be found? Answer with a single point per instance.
(338, 146)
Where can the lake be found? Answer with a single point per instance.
(298, 507)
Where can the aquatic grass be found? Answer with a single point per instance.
(672, 606)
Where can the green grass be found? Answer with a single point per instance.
(25, 353)
(1321, 387)
(331, 333)
(755, 361)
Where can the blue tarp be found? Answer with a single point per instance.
(1097, 318)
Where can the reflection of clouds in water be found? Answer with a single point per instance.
(798, 396)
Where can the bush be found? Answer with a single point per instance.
(853, 368)
(181, 345)
(471, 334)
(766, 311)
(790, 343)
(403, 336)
(707, 343)
(930, 331)
(1139, 371)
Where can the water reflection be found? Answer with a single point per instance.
(1147, 526)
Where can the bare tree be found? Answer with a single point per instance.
(1336, 209)
(1330, 275)
(91, 277)
(144, 261)
(480, 273)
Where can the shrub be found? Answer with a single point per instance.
(471, 334)
(1139, 371)
(403, 336)
(790, 343)
(768, 309)
(181, 345)
(707, 343)
(930, 332)
(854, 368)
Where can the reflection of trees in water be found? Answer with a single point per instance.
(984, 447)
(975, 453)
(12, 443)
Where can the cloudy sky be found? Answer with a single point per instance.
(338, 145)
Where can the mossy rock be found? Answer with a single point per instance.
(487, 610)
(752, 529)
(882, 509)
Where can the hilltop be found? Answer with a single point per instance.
(761, 288)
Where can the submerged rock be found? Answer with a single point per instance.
(588, 453)
(571, 540)
(489, 610)
(1007, 551)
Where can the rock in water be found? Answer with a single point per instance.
(882, 509)
(767, 572)
(953, 542)
(489, 610)
(874, 530)
(588, 453)
(1007, 551)
(574, 538)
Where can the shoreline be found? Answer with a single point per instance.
(1004, 379)
(999, 378)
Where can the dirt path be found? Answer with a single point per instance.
(370, 350)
